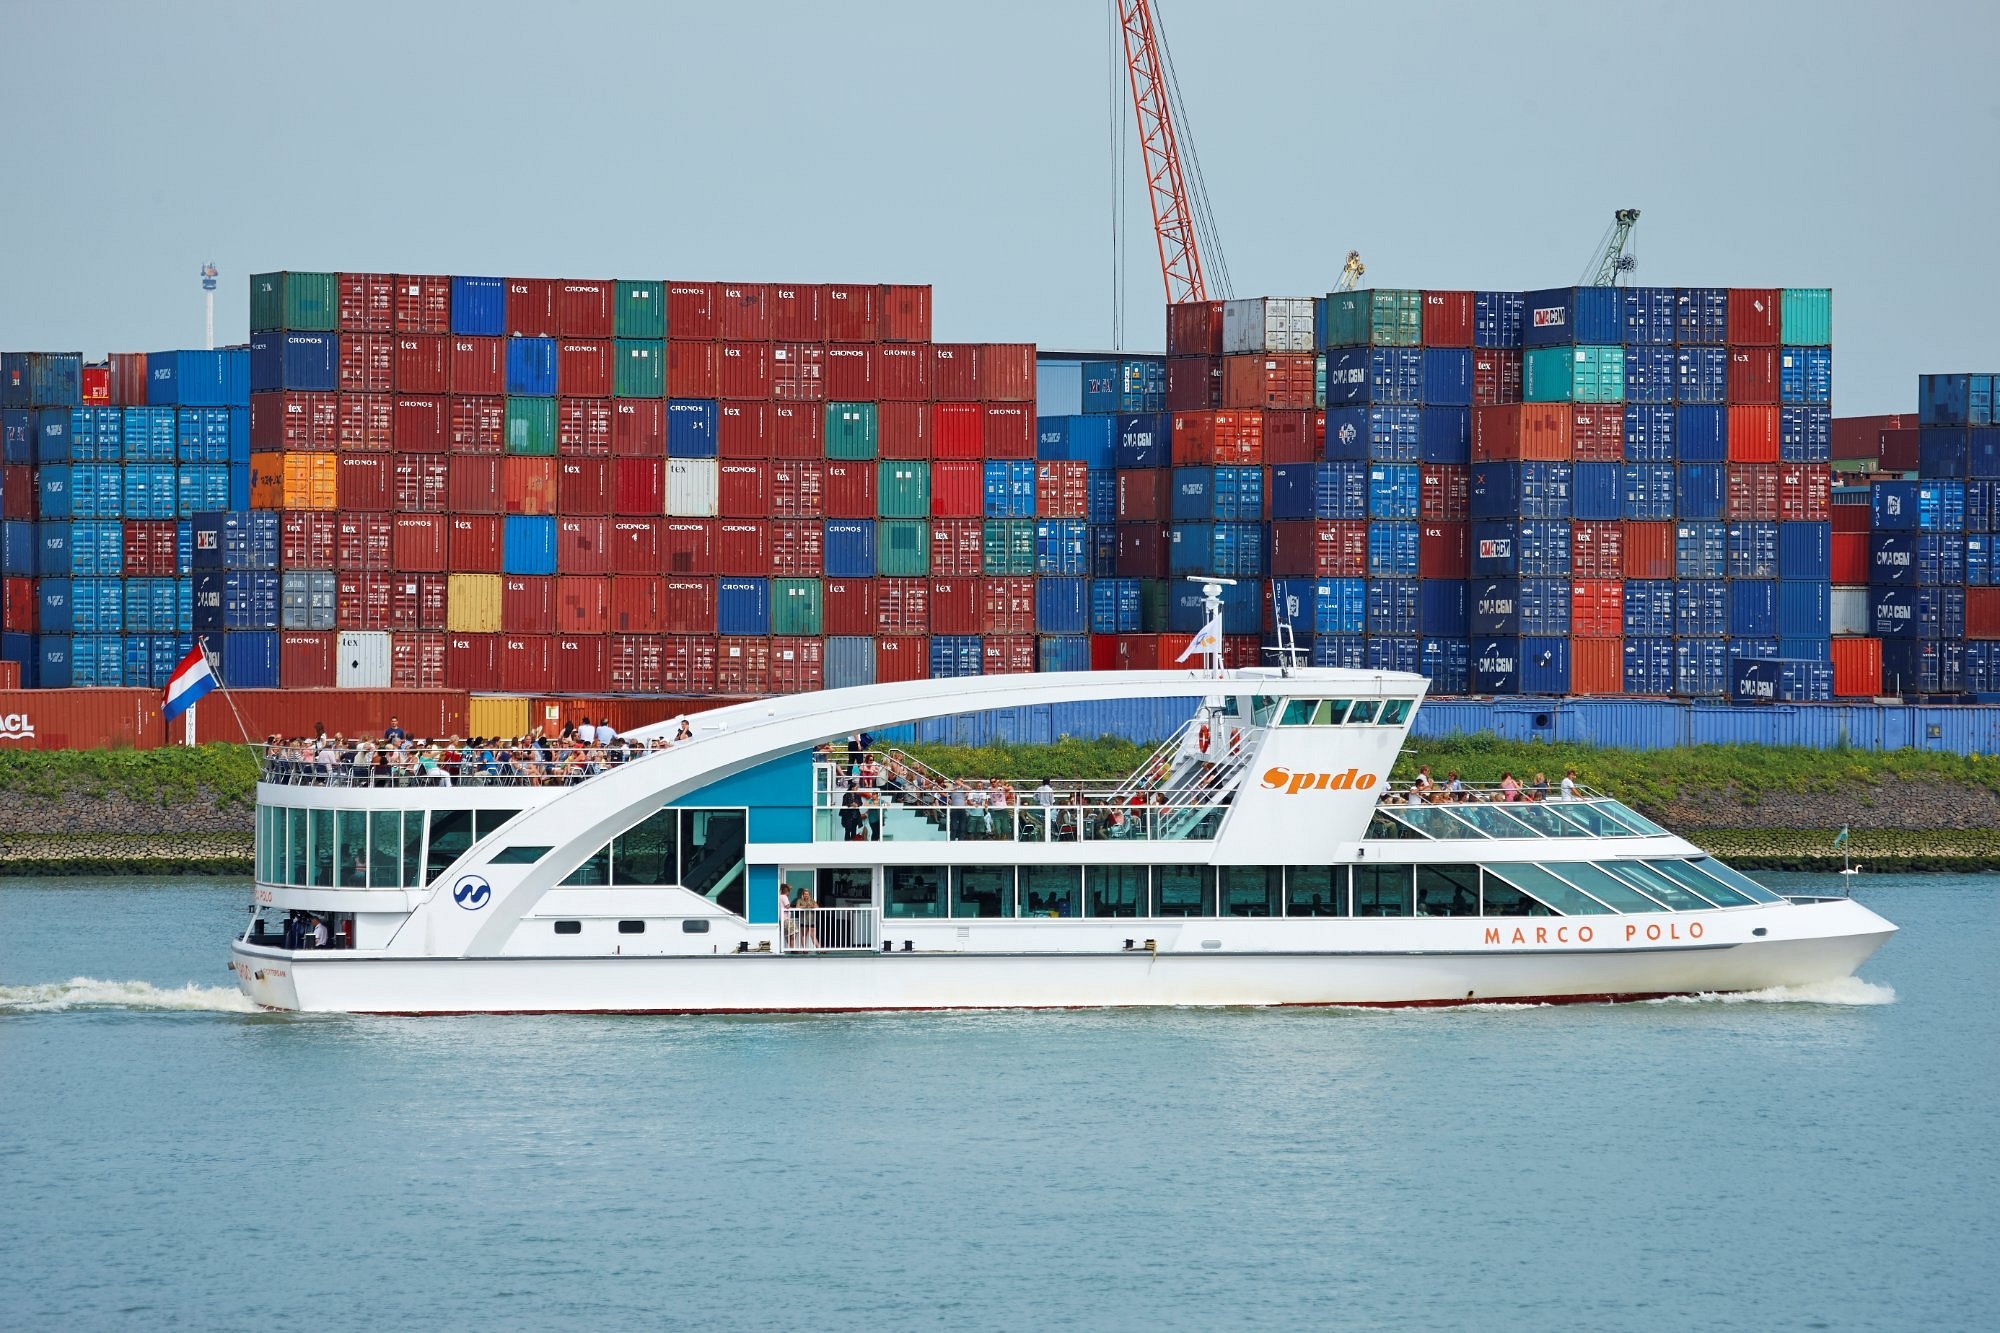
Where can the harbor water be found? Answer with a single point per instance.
(1824, 1159)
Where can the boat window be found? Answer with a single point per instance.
(1385, 826)
(1330, 713)
(296, 845)
(1597, 821)
(569, 927)
(1316, 891)
(1702, 886)
(982, 891)
(694, 926)
(1499, 898)
(1252, 891)
(1495, 822)
(1051, 891)
(1395, 712)
(631, 927)
(489, 821)
(413, 848)
(1184, 890)
(914, 891)
(1656, 885)
(520, 856)
(1608, 889)
(595, 872)
(1363, 711)
(712, 844)
(1626, 815)
(1434, 822)
(1261, 708)
(1117, 890)
(351, 829)
(451, 834)
(647, 853)
(1445, 890)
(1381, 890)
(845, 886)
(385, 849)
(1557, 893)
(1736, 880)
(1298, 713)
(322, 848)
(1548, 821)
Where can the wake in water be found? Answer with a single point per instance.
(90, 993)
(1846, 991)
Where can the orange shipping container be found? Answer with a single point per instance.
(527, 485)
(1753, 433)
(295, 481)
(1268, 381)
(1510, 432)
(1596, 609)
(1596, 665)
(1857, 667)
(1218, 437)
(1062, 490)
(1649, 550)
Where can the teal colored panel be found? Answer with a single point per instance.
(763, 903)
(777, 792)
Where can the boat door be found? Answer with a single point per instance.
(827, 907)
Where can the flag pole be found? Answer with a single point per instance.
(222, 686)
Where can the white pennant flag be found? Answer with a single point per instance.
(1209, 640)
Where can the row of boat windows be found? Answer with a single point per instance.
(1335, 712)
(1512, 819)
(320, 848)
(701, 850)
(1581, 889)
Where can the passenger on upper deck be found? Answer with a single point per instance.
(1538, 790)
(1569, 785)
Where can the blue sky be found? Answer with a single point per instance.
(1455, 145)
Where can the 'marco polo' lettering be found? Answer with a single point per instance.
(1294, 783)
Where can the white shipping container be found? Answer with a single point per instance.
(1058, 388)
(1849, 610)
(691, 487)
(364, 660)
(1268, 324)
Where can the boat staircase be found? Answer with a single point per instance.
(1182, 782)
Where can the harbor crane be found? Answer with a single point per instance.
(1609, 264)
(1183, 223)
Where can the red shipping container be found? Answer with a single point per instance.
(583, 546)
(1755, 317)
(1009, 430)
(798, 548)
(478, 425)
(798, 430)
(583, 308)
(473, 543)
(1442, 551)
(472, 484)
(687, 546)
(958, 489)
(905, 313)
(690, 664)
(1849, 555)
(1597, 550)
(423, 425)
(687, 605)
(1649, 550)
(897, 372)
(743, 430)
(306, 660)
(527, 604)
(567, 486)
(1007, 375)
(639, 427)
(365, 483)
(361, 601)
(1319, 548)
(471, 661)
(849, 490)
(1496, 376)
(958, 430)
(635, 546)
(691, 311)
(1194, 383)
(1597, 664)
(638, 665)
(798, 664)
(743, 370)
(583, 367)
(583, 427)
(1144, 652)
(847, 606)
(1861, 437)
(1447, 319)
(417, 602)
(526, 662)
(583, 603)
(364, 544)
(1007, 655)
(743, 666)
(1006, 606)
(366, 303)
(367, 423)
(1268, 381)
(850, 371)
(1144, 494)
(955, 372)
(902, 606)
(743, 547)
(423, 304)
(797, 489)
(798, 312)
(367, 362)
(1289, 438)
(903, 430)
(1241, 651)
(691, 370)
(1194, 328)
(743, 490)
(531, 307)
(1444, 493)
(94, 385)
(1142, 551)
(1805, 492)
(956, 605)
(1753, 376)
(128, 379)
(422, 364)
(18, 501)
(798, 372)
(1597, 432)
(639, 487)
(900, 657)
(1982, 613)
(1857, 667)
(420, 482)
(306, 539)
(149, 549)
(418, 543)
(1753, 434)
(1516, 431)
(1899, 451)
(743, 312)
(958, 547)
(1751, 491)
(476, 366)
(1597, 608)
(852, 314)
(1202, 438)
(296, 421)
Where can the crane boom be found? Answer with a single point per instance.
(1611, 263)
(1166, 185)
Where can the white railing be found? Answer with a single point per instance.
(821, 929)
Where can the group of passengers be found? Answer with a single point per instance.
(581, 750)
(1426, 790)
(865, 784)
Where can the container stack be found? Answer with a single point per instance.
(99, 491)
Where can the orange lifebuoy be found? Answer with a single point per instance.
(1202, 738)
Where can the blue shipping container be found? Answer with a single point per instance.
(1647, 317)
(1392, 550)
(1649, 611)
(1916, 613)
(1496, 319)
(1062, 548)
(955, 655)
(200, 378)
(1521, 490)
(850, 660)
(1378, 434)
(1701, 315)
(1701, 608)
(1701, 376)
(1805, 609)
(1448, 663)
(1242, 609)
(1750, 550)
(1496, 666)
(1699, 490)
(246, 660)
(97, 434)
(1527, 549)
(743, 607)
(479, 307)
(1384, 652)
(1142, 440)
(1753, 608)
(1648, 492)
(1348, 651)
(1010, 489)
(1375, 375)
(1115, 606)
(1652, 375)
(1597, 491)
(1805, 375)
(531, 369)
(1590, 315)
(1649, 432)
(1062, 606)
(1444, 435)
(1393, 607)
(307, 362)
(849, 548)
(1442, 608)
(1805, 434)
(1520, 606)
(1447, 376)
(1319, 490)
(1701, 668)
(1340, 606)
(528, 544)
(1923, 666)
(1395, 490)
(1063, 652)
(690, 427)
(1649, 666)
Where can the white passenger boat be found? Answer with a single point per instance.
(1261, 857)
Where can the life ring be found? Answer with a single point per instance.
(1202, 738)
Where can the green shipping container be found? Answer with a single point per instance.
(902, 489)
(639, 310)
(795, 606)
(531, 426)
(641, 370)
(1009, 546)
(1573, 375)
(1153, 595)
(302, 302)
(1384, 318)
(850, 431)
(1806, 316)
(903, 548)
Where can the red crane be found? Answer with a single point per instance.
(1180, 215)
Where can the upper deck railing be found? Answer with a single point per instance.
(1480, 811)
(340, 762)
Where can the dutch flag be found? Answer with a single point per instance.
(190, 681)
